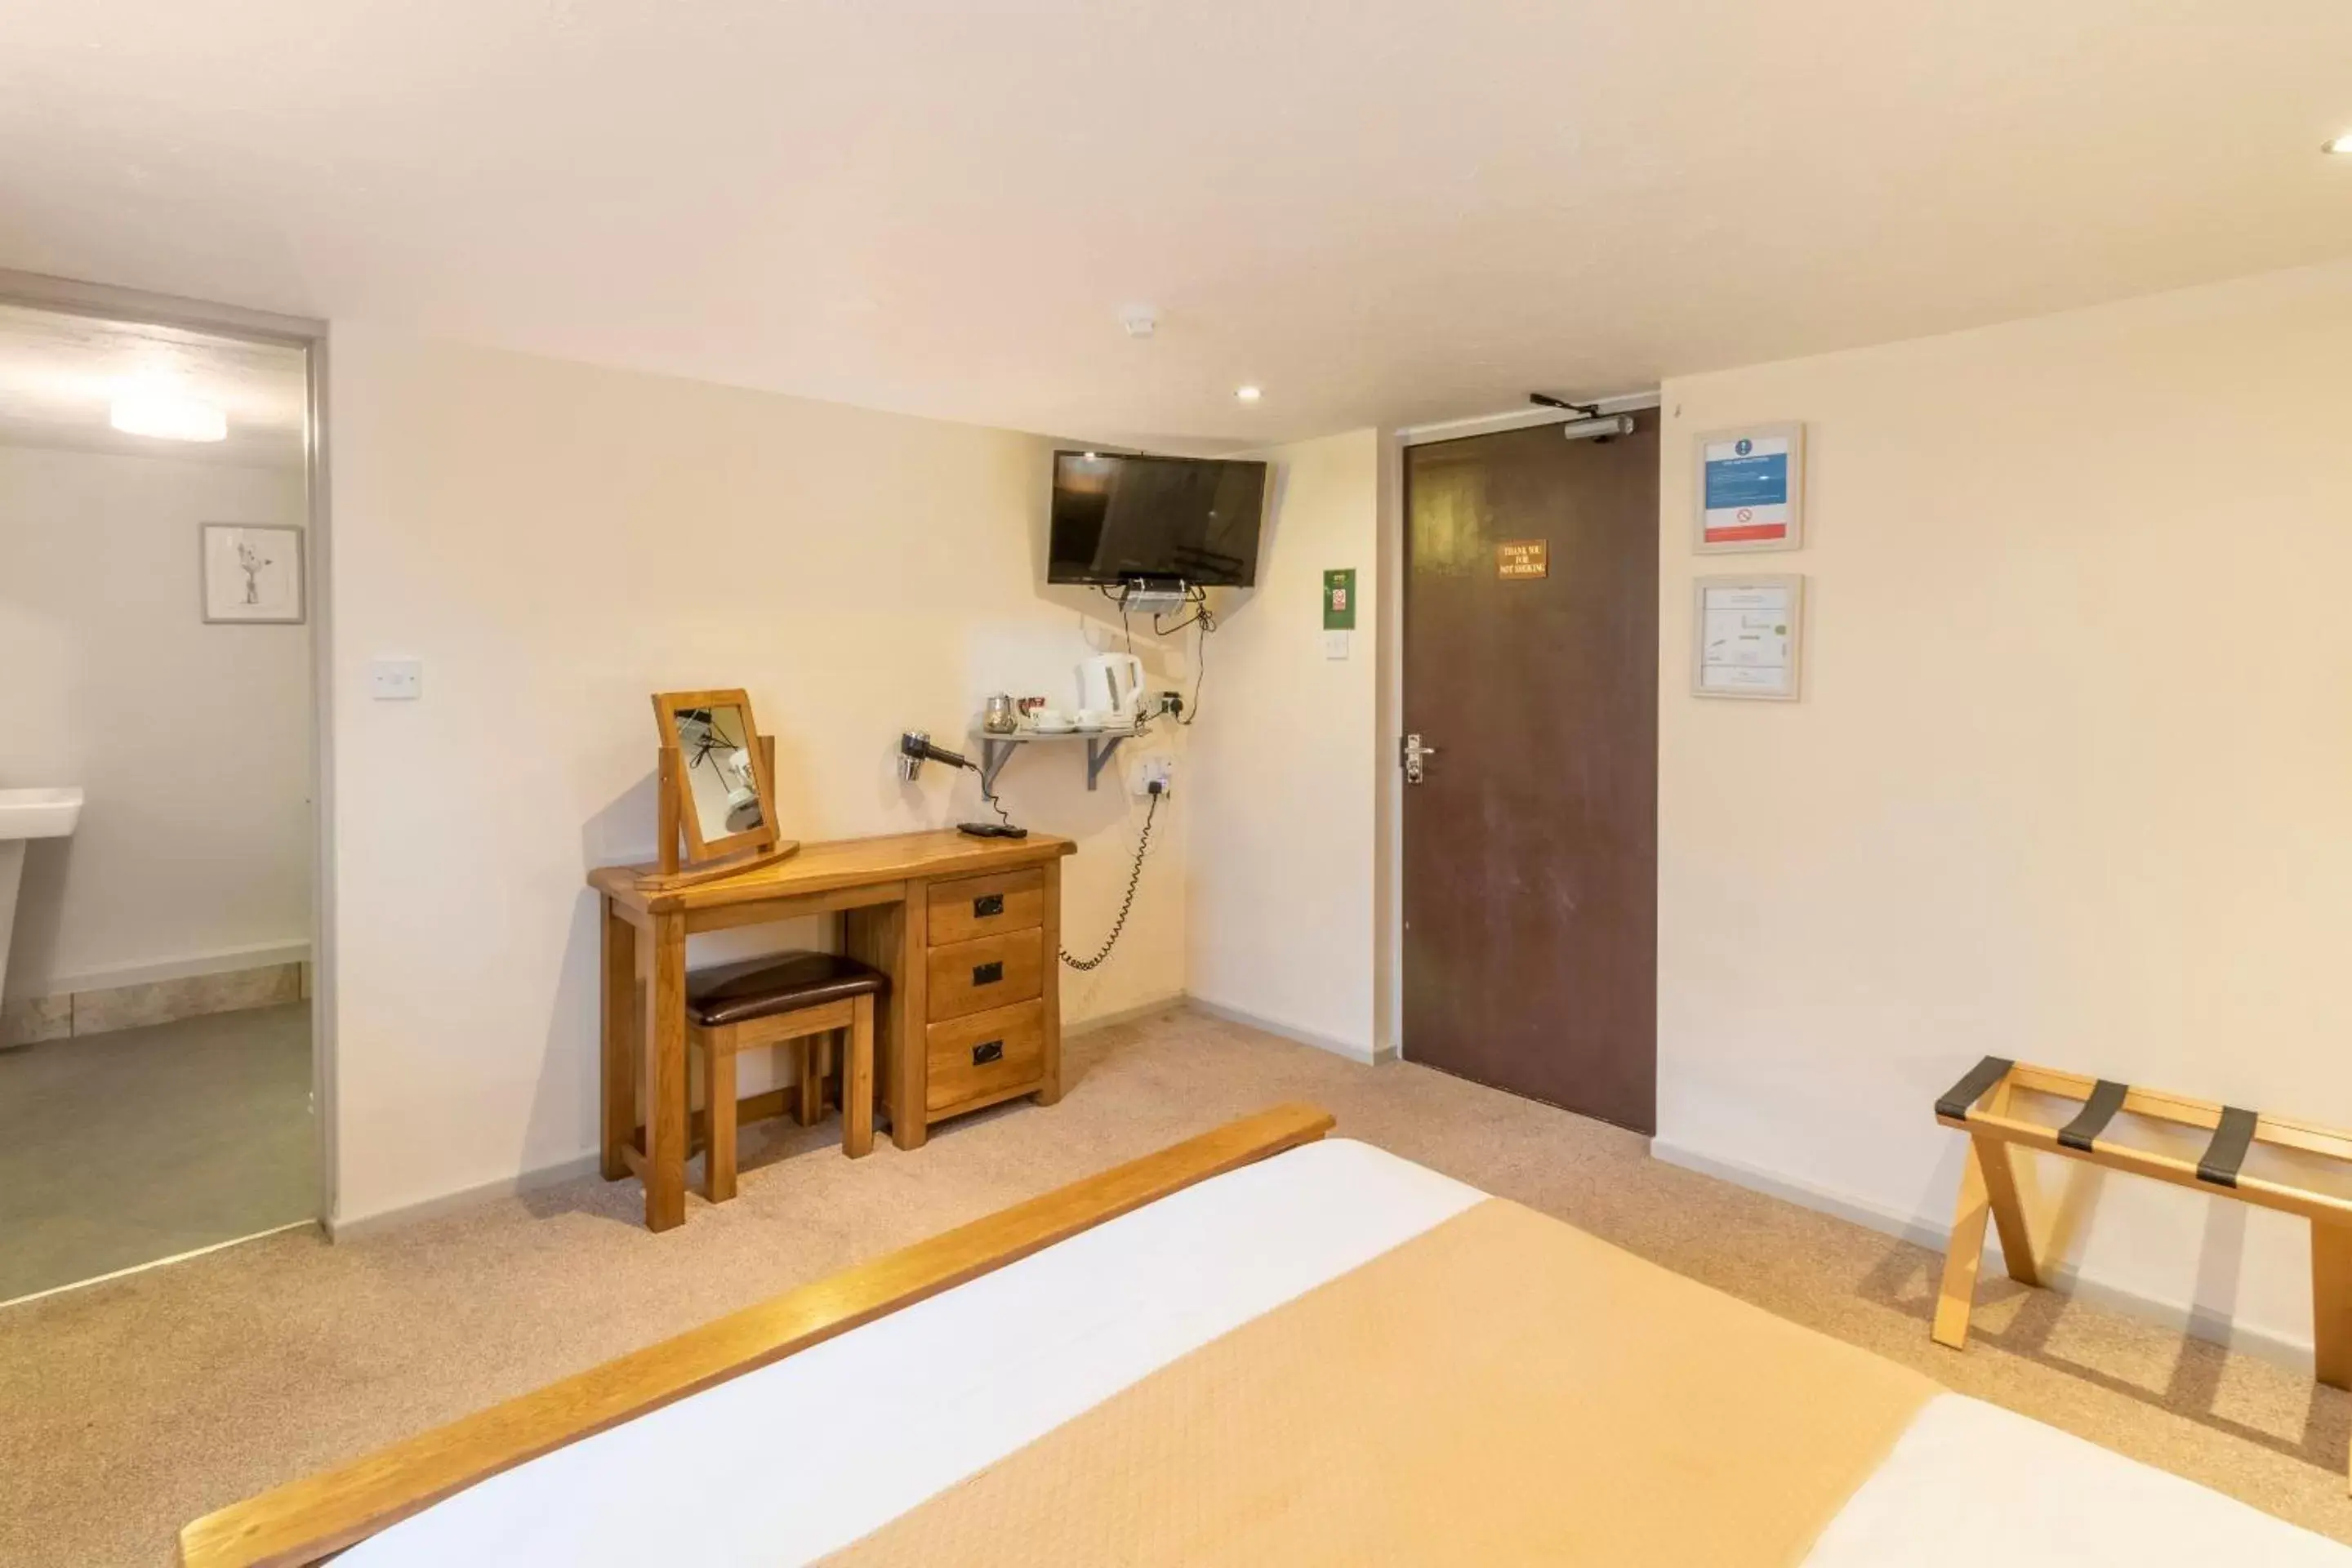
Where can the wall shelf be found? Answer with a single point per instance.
(995, 751)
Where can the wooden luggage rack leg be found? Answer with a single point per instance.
(1996, 1185)
(1991, 1186)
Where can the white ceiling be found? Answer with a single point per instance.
(61, 373)
(1381, 212)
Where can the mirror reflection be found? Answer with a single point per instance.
(716, 746)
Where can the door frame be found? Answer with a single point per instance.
(1387, 871)
(107, 301)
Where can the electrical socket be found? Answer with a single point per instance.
(1148, 770)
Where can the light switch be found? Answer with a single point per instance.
(1335, 644)
(397, 679)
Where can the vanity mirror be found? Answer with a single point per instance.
(718, 785)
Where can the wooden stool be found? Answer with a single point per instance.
(785, 999)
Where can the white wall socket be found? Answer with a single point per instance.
(396, 679)
(1146, 769)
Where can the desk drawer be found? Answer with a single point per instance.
(984, 906)
(1001, 1050)
(989, 971)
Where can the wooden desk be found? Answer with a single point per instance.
(945, 916)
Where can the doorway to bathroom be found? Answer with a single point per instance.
(158, 764)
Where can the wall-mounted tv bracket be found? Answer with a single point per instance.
(1145, 597)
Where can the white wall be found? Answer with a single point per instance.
(2072, 779)
(557, 541)
(1284, 766)
(192, 742)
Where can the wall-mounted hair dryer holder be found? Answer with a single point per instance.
(914, 748)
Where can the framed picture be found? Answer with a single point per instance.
(252, 573)
(1748, 638)
(1751, 489)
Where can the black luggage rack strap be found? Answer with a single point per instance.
(2233, 1134)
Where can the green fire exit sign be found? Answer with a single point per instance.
(1339, 600)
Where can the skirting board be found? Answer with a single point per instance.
(464, 1198)
(263, 956)
(583, 1164)
(1167, 1004)
(1369, 1058)
(103, 1010)
(2198, 1323)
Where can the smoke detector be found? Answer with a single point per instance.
(1140, 321)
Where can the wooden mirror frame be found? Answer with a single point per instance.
(678, 817)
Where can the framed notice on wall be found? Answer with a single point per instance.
(1751, 489)
(1748, 638)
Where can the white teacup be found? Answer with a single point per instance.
(1048, 718)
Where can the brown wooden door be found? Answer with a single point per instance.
(1530, 847)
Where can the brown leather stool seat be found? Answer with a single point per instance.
(781, 982)
(784, 999)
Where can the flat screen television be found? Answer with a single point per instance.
(1119, 519)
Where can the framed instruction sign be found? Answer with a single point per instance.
(1751, 489)
(1748, 637)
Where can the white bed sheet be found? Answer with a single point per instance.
(812, 1453)
(1970, 1484)
(828, 1444)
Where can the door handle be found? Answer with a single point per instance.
(1411, 749)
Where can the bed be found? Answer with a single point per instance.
(1260, 1345)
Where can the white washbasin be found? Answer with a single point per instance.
(39, 813)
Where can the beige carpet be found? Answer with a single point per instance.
(130, 1407)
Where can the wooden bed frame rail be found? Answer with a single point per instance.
(1996, 1185)
(311, 1520)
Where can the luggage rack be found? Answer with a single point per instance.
(1994, 1186)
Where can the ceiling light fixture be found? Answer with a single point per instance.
(1248, 394)
(2340, 145)
(169, 416)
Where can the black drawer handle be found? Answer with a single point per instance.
(988, 974)
(987, 1051)
(987, 904)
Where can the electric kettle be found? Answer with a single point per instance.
(1113, 682)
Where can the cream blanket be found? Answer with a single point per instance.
(1503, 1388)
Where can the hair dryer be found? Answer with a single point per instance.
(914, 748)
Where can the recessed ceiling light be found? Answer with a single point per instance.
(2341, 144)
(1248, 394)
(169, 416)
